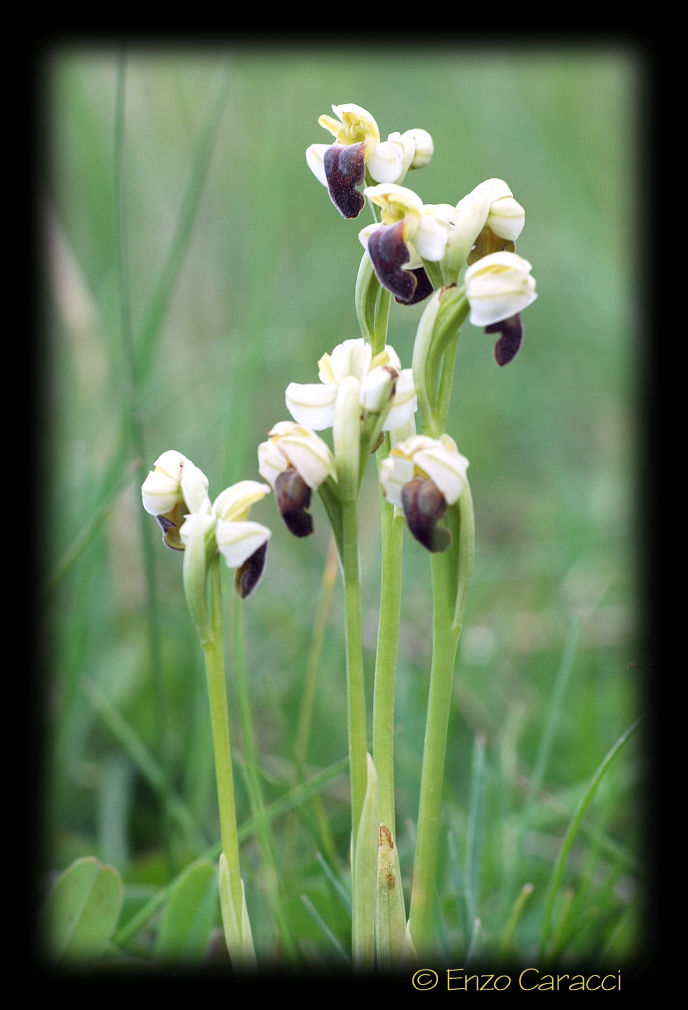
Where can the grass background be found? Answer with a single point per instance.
(194, 266)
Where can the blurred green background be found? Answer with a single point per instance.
(186, 283)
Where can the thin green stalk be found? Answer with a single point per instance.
(305, 720)
(213, 653)
(357, 732)
(445, 644)
(392, 541)
(258, 808)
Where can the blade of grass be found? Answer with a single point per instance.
(322, 925)
(280, 807)
(553, 715)
(473, 830)
(513, 920)
(198, 173)
(270, 869)
(573, 828)
(144, 761)
(86, 533)
(132, 421)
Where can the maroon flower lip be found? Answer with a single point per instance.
(389, 254)
(509, 344)
(293, 498)
(345, 171)
(424, 505)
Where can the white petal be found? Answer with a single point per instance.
(171, 463)
(237, 541)
(445, 466)
(305, 450)
(395, 471)
(404, 402)
(386, 163)
(160, 493)
(498, 286)
(430, 237)
(392, 357)
(196, 525)
(506, 218)
(314, 159)
(423, 146)
(271, 462)
(311, 404)
(234, 502)
(195, 488)
(365, 233)
(352, 357)
(376, 389)
(161, 490)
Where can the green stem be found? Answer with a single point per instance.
(444, 645)
(392, 541)
(213, 653)
(451, 573)
(357, 731)
(258, 808)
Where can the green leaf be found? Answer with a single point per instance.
(189, 916)
(82, 910)
(236, 923)
(365, 873)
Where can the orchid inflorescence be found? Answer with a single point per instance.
(460, 258)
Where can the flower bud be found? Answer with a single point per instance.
(423, 147)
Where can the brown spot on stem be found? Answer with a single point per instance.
(386, 836)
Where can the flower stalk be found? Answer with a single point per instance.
(232, 900)
(451, 574)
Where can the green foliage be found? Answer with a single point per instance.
(194, 267)
(81, 911)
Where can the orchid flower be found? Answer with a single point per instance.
(173, 488)
(408, 233)
(176, 493)
(357, 150)
(487, 220)
(498, 287)
(295, 461)
(423, 476)
(383, 385)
